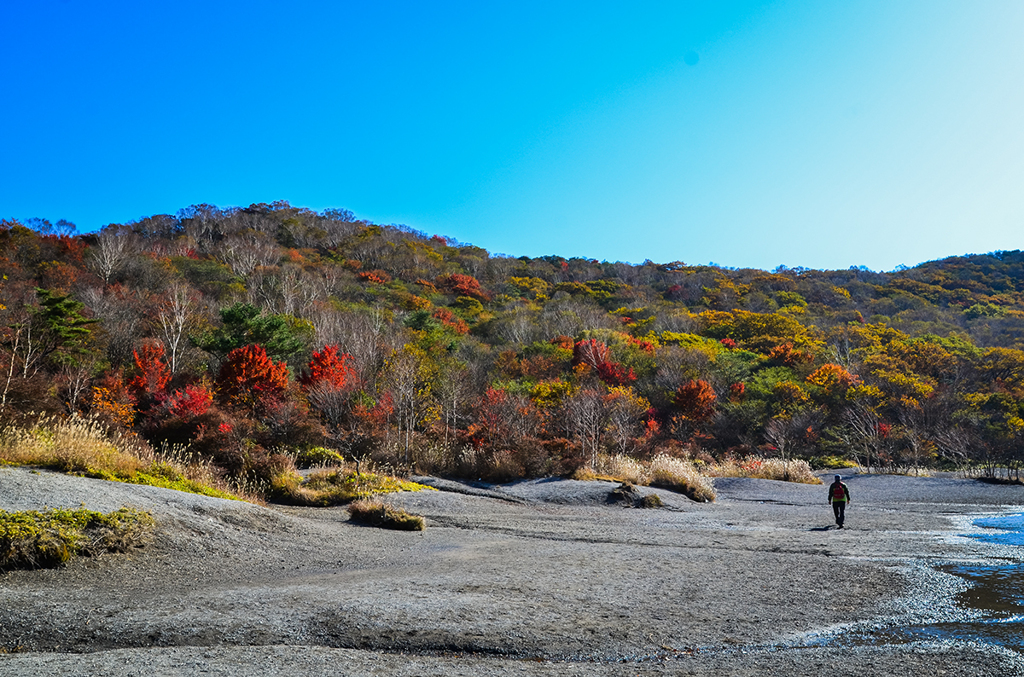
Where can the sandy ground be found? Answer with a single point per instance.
(535, 578)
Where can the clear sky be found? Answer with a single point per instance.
(817, 133)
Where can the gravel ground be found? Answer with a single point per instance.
(539, 577)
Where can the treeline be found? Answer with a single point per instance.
(257, 336)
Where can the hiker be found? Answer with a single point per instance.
(839, 496)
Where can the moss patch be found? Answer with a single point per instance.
(32, 539)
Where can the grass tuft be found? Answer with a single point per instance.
(378, 514)
(651, 501)
(32, 539)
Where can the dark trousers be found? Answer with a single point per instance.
(839, 508)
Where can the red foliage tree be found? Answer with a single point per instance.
(490, 414)
(376, 416)
(149, 383)
(249, 378)
(330, 367)
(597, 356)
(502, 420)
(642, 344)
(190, 403)
(614, 374)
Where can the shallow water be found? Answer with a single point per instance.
(996, 597)
(996, 592)
(992, 605)
(1001, 529)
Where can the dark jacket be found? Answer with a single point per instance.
(846, 492)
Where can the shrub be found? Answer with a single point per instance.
(318, 456)
(628, 493)
(378, 514)
(829, 462)
(32, 539)
(375, 277)
(334, 487)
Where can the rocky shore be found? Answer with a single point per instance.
(540, 577)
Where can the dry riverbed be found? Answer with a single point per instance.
(536, 578)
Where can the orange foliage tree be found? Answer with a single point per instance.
(833, 379)
(463, 285)
(249, 378)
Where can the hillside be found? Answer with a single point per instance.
(254, 336)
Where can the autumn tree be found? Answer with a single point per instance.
(250, 379)
(191, 402)
(788, 434)
(694, 403)
(329, 383)
(148, 385)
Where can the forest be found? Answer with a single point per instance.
(270, 336)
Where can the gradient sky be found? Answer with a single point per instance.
(751, 134)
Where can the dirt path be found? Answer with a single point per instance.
(537, 578)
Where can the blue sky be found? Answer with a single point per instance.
(817, 134)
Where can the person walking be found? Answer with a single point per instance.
(839, 496)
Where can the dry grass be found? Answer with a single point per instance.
(378, 514)
(32, 539)
(84, 447)
(335, 487)
(669, 472)
(766, 469)
(662, 471)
